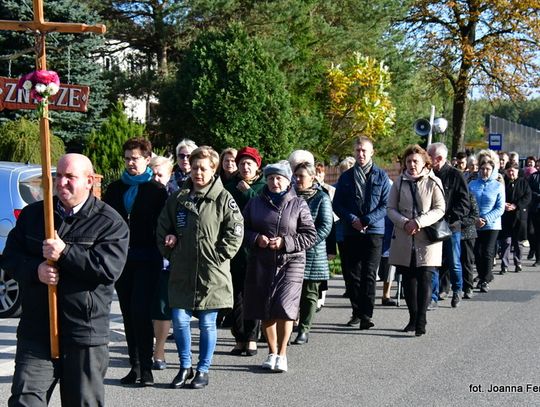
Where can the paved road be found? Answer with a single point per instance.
(491, 340)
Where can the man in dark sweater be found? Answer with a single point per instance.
(457, 206)
(83, 260)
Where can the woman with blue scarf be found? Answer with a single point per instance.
(139, 200)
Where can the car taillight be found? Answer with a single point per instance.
(17, 212)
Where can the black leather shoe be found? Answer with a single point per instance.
(200, 381)
(237, 351)
(419, 331)
(132, 377)
(353, 321)
(179, 381)
(518, 268)
(147, 378)
(366, 324)
(302, 338)
(411, 326)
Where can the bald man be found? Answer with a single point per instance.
(88, 251)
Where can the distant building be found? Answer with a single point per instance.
(121, 56)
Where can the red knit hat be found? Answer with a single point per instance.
(249, 152)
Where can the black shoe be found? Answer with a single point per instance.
(388, 302)
(366, 324)
(468, 294)
(179, 381)
(518, 268)
(200, 381)
(484, 287)
(353, 321)
(503, 270)
(411, 326)
(237, 351)
(251, 352)
(132, 377)
(533, 265)
(147, 378)
(455, 300)
(302, 338)
(419, 331)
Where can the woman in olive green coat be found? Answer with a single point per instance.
(199, 231)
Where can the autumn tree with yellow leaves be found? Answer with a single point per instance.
(359, 103)
(489, 44)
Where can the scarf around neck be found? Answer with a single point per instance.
(134, 181)
(360, 180)
(307, 193)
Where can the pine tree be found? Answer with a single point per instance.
(72, 56)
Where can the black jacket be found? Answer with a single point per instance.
(96, 240)
(534, 183)
(514, 223)
(456, 195)
(468, 222)
(142, 221)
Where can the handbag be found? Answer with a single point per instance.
(438, 231)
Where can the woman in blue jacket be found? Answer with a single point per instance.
(490, 196)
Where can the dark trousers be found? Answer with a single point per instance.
(80, 371)
(308, 304)
(536, 225)
(484, 253)
(363, 257)
(510, 248)
(344, 264)
(243, 330)
(135, 288)
(467, 263)
(417, 290)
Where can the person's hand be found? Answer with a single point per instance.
(276, 243)
(357, 224)
(262, 241)
(411, 227)
(242, 186)
(510, 207)
(170, 241)
(48, 274)
(480, 223)
(53, 248)
(330, 257)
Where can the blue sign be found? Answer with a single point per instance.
(495, 141)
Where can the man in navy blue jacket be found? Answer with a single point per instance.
(360, 202)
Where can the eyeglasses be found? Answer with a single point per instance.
(183, 156)
(128, 159)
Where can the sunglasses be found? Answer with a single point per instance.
(183, 156)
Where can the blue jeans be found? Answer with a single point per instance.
(181, 319)
(435, 284)
(452, 258)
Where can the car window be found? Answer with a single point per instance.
(30, 188)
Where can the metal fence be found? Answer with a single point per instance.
(516, 137)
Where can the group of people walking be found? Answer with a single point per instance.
(222, 236)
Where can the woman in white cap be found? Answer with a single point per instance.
(278, 230)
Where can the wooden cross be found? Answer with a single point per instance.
(41, 28)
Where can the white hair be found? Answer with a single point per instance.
(158, 161)
(187, 143)
(300, 156)
(439, 149)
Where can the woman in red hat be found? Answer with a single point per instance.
(246, 184)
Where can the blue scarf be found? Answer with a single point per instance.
(133, 181)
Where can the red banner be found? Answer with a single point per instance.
(70, 97)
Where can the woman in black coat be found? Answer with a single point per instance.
(139, 200)
(514, 219)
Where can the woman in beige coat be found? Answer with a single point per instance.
(411, 251)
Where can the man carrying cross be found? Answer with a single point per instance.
(89, 251)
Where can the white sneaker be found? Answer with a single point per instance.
(270, 362)
(281, 364)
